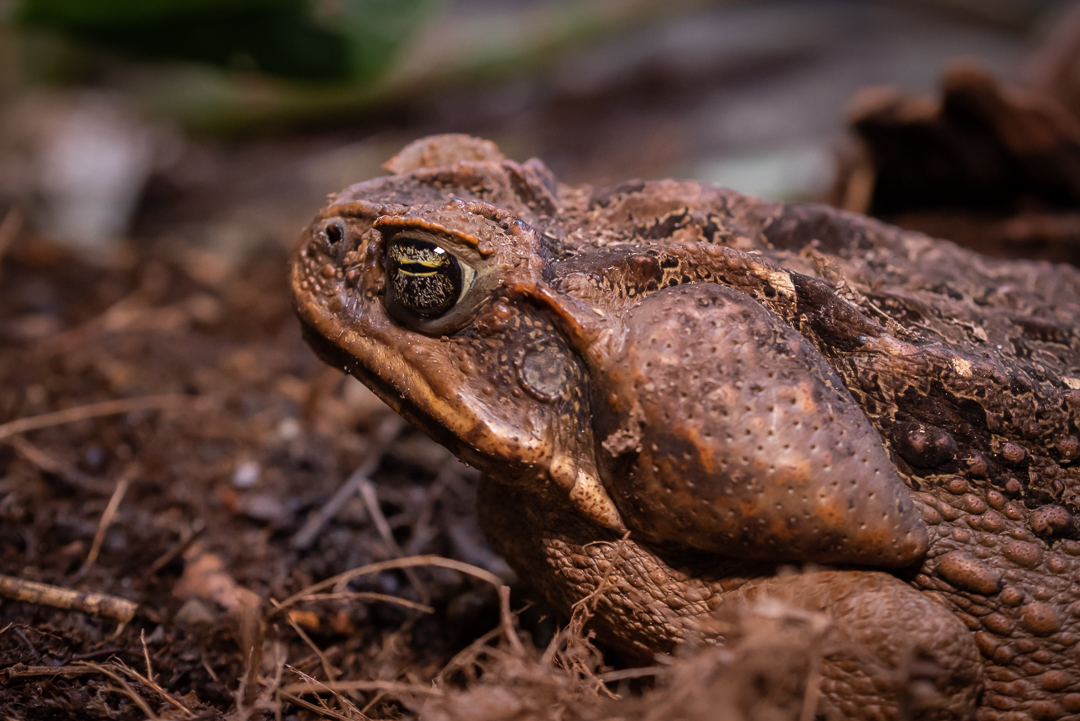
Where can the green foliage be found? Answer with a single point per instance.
(307, 39)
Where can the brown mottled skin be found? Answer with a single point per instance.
(673, 389)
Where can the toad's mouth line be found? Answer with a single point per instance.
(338, 357)
(400, 403)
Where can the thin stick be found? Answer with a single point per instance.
(346, 705)
(146, 656)
(371, 501)
(328, 669)
(468, 654)
(381, 437)
(16, 672)
(370, 596)
(374, 700)
(98, 604)
(108, 514)
(387, 686)
(394, 563)
(628, 673)
(291, 698)
(153, 685)
(94, 410)
(65, 471)
(198, 527)
(125, 688)
(506, 621)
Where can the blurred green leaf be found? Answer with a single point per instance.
(326, 40)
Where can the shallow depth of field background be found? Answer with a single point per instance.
(224, 123)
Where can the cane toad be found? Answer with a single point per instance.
(673, 389)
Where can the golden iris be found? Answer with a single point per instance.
(424, 278)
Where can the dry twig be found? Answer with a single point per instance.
(629, 673)
(322, 710)
(469, 654)
(383, 434)
(19, 671)
(108, 514)
(387, 686)
(370, 596)
(395, 563)
(198, 527)
(94, 410)
(124, 688)
(371, 501)
(98, 604)
(506, 622)
(328, 668)
(147, 681)
(64, 471)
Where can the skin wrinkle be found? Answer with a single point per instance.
(966, 389)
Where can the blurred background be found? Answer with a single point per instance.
(158, 160)
(224, 123)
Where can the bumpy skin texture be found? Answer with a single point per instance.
(938, 397)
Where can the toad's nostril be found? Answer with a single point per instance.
(334, 233)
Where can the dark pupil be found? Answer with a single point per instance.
(423, 277)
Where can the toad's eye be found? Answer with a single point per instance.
(425, 278)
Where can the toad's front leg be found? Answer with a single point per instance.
(882, 632)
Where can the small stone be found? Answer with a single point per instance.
(263, 507)
(157, 637)
(246, 474)
(289, 429)
(195, 615)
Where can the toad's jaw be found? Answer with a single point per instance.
(401, 374)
